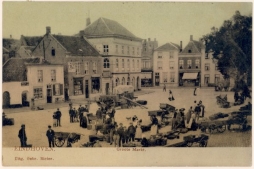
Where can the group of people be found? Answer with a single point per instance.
(192, 116)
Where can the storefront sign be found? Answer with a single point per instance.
(24, 83)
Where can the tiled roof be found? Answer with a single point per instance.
(11, 44)
(168, 46)
(76, 45)
(107, 27)
(30, 40)
(14, 70)
(193, 46)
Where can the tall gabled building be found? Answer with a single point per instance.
(148, 47)
(82, 63)
(165, 65)
(189, 64)
(121, 52)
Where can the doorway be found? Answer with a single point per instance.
(6, 99)
(24, 98)
(87, 88)
(49, 95)
(157, 79)
(107, 88)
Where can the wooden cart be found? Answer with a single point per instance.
(201, 140)
(61, 137)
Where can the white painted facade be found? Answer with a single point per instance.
(165, 68)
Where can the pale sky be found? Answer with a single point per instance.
(165, 21)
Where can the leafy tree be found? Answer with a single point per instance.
(232, 46)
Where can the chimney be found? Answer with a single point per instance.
(181, 46)
(81, 33)
(191, 38)
(88, 22)
(11, 36)
(48, 30)
(149, 39)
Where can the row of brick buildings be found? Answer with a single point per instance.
(94, 61)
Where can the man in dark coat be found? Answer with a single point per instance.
(131, 131)
(120, 132)
(50, 134)
(99, 113)
(22, 136)
(80, 111)
(126, 135)
(59, 115)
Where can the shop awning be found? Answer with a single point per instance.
(190, 76)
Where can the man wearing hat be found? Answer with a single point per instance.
(50, 134)
(58, 119)
(131, 131)
(99, 113)
(22, 136)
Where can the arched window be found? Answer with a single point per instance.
(117, 81)
(106, 63)
(128, 64)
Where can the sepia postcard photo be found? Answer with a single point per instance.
(126, 84)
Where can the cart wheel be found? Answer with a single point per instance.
(189, 144)
(221, 129)
(203, 143)
(59, 142)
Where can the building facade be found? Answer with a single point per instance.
(189, 63)
(148, 47)
(121, 52)
(210, 74)
(82, 63)
(165, 65)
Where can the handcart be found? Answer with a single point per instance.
(61, 137)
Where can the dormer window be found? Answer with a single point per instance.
(189, 51)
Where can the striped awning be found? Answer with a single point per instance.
(190, 76)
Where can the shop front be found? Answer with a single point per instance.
(189, 79)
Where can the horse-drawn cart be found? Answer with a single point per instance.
(61, 137)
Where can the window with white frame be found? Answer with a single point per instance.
(105, 48)
(106, 63)
(159, 55)
(128, 50)
(165, 77)
(86, 68)
(40, 75)
(94, 67)
(197, 63)
(53, 75)
(171, 54)
(117, 64)
(133, 51)
(181, 64)
(38, 93)
(128, 64)
(57, 89)
(207, 79)
(189, 64)
(77, 66)
(217, 78)
(122, 63)
(116, 48)
(122, 49)
(171, 65)
(172, 77)
(207, 67)
(159, 65)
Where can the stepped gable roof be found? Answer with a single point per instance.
(106, 27)
(14, 70)
(168, 46)
(77, 46)
(194, 46)
(30, 40)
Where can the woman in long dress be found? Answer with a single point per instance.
(138, 134)
(154, 127)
